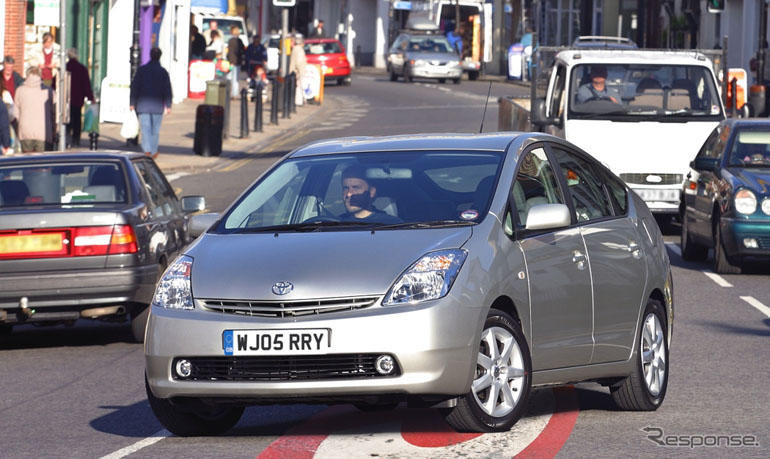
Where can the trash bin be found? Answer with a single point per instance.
(218, 93)
(209, 124)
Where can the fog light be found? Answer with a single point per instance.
(750, 243)
(184, 368)
(384, 364)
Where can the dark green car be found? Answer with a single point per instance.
(726, 198)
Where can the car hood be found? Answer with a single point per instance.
(319, 265)
(644, 147)
(434, 56)
(758, 180)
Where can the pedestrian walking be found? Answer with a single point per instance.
(46, 57)
(197, 43)
(34, 104)
(235, 55)
(80, 89)
(297, 64)
(151, 98)
(256, 55)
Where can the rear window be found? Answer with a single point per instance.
(61, 183)
(331, 47)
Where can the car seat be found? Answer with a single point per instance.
(680, 95)
(13, 192)
(106, 184)
(649, 92)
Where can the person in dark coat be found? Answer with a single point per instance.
(10, 78)
(197, 43)
(5, 130)
(256, 55)
(80, 89)
(235, 55)
(151, 97)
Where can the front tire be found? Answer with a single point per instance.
(502, 379)
(645, 388)
(188, 421)
(722, 262)
(691, 251)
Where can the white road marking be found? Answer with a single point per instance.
(674, 248)
(720, 281)
(176, 175)
(757, 304)
(131, 449)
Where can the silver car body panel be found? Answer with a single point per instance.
(435, 343)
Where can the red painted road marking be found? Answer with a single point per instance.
(559, 427)
(423, 428)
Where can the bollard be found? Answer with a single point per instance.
(258, 109)
(734, 94)
(276, 90)
(293, 105)
(285, 104)
(244, 113)
(93, 140)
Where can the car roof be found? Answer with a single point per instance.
(70, 156)
(632, 56)
(475, 142)
(746, 122)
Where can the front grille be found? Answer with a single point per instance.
(641, 179)
(288, 308)
(283, 368)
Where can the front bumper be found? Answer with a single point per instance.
(431, 71)
(434, 345)
(736, 230)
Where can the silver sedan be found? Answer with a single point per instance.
(456, 271)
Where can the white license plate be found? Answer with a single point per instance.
(657, 195)
(277, 342)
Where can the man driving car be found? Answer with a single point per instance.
(597, 89)
(358, 196)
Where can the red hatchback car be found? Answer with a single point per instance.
(330, 55)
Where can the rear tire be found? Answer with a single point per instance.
(474, 75)
(189, 421)
(502, 379)
(722, 262)
(645, 388)
(691, 251)
(393, 76)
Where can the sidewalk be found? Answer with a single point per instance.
(178, 133)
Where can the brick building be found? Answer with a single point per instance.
(15, 12)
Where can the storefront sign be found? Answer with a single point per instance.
(47, 13)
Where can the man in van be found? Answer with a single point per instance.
(596, 89)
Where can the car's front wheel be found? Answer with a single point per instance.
(501, 382)
(722, 262)
(645, 388)
(188, 420)
(691, 250)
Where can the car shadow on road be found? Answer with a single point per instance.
(734, 329)
(134, 421)
(87, 334)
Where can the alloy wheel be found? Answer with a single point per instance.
(500, 373)
(653, 354)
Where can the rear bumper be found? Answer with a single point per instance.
(336, 72)
(432, 72)
(75, 290)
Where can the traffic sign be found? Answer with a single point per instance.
(284, 3)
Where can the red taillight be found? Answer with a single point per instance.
(691, 185)
(103, 240)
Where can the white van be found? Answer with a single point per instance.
(203, 21)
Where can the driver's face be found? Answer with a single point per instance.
(352, 186)
(598, 80)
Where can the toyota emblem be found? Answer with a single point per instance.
(282, 288)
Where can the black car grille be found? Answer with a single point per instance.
(641, 179)
(288, 308)
(283, 368)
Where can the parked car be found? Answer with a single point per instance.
(726, 198)
(85, 235)
(330, 55)
(456, 271)
(423, 55)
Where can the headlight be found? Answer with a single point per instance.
(418, 62)
(174, 290)
(745, 202)
(429, 278)
(766, 206)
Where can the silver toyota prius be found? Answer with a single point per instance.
(452, 271)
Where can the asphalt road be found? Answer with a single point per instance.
(79, 392)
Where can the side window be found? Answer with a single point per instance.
(618, 193)
(168, 197)
(153, 192)
(583, 185)
(535, 184)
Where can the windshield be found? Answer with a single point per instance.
(634, 91)
(369, 190)
(431, 44)
(328, 47)
(56, 183)
(750, 149)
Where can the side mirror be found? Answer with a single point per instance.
(705, 164)
(548, 216)
(200, 223)
(192, 204)
(538, 113)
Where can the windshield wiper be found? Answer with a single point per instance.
(588, 116)
(304, 226)
(431, 224)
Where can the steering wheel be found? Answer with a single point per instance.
(322, 218)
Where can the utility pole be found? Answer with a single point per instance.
(60, 115)
(284, 35)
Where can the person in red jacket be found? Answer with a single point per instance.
(80, 90)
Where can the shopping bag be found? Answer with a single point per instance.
(90, 120)
(130, 128)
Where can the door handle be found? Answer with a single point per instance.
(580, 259)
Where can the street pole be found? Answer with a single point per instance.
(134, 55)
(284, 35)
(60, 116)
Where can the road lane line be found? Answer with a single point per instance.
(674, 248)
(235, 165)
(720, 281)
(176, 175)
(757, 304)
(131, 449)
